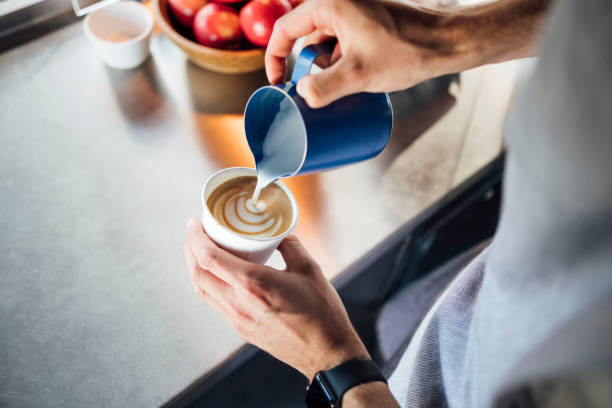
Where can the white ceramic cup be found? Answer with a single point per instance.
(252, 249)
(120, 33)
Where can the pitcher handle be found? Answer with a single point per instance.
(306, 58)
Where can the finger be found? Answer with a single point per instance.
(191, 267)
(318, 36)
(208, 283)
(218, 294)
(293, 25)
(192, 263)
(294, 254)
(218, 306)
(198, 291)
(216, 260)
(330, 84)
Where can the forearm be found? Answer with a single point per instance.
(472, 36)
(502, 31)
(374, 394)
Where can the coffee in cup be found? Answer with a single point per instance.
(231, 204)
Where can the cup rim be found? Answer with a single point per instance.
(144, 34)
(284, 92)
(294, 206)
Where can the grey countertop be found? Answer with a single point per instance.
(101, 170)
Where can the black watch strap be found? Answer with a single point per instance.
(329, 386)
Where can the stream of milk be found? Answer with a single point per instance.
(283, 149)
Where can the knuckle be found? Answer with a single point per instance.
(202, 295)
(243, 317)
(334, 7)
(194, 275)
(357, 69)
(260, 291)
(315, 94)
(313, 268)
(255, 286)
(308, 267)
(249, 276)
(280, 24)
(243, 320)
(208, 259)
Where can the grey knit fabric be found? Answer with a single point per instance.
(529, 321)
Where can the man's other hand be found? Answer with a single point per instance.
(295, 314)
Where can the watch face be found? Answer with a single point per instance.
(330, 395)
(319, 394)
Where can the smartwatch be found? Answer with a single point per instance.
(328, 387)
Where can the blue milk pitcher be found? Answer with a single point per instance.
(288, 138)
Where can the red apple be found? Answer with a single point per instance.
(257, 19)
(295, 3)
(217, 25)
(185, 10)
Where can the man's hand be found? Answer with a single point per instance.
(389, 46)
(295, 314)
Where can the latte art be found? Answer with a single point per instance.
(231, 205)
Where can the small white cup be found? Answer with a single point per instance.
(252, 249)
(120, 33)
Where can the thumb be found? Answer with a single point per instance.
(332, 83)
(295, 255)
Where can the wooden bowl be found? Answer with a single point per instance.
(226, 61)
